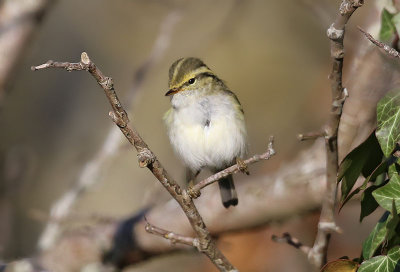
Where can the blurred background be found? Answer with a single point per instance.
(273, 54)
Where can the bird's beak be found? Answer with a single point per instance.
(173, 91)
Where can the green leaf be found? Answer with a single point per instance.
(350, 196)
(392, 223)
(388, 263)
(376, 237)
(388, 113)
(386, 194)
(340, 266)
(368, 202)
(375, 156)
(392, 170)
(387, 26)
(362, 159)
(381, 169)
(396, 22)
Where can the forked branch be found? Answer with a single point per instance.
(195, 190)
(318, 253)
(146, 157)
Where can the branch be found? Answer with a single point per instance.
(264, 201)
(287, 238)
(18, 21)
(148, 159)
(194, 191)
(173, 237)
(318, 254)
(90, 173)
(389, 50)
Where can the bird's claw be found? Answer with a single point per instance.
(242, 166)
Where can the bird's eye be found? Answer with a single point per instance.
(191, 81)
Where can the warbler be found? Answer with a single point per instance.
(205, 124)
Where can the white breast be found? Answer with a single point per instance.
(207, 132)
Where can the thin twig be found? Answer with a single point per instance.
(287, 238)
(311, 135)
(19, 20)
(146, 158)
(91, 172)
(318, 254)
(173, 237)
(389, 50)
(194, 191)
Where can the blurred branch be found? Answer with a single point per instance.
(264, 200)
(287, 238)
(18, 21)
(147, 159)
(90, 173)
(311, 135)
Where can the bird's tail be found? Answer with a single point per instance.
(228, 192)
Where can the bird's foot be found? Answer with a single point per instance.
(242, 166)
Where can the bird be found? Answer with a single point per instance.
(205, 124)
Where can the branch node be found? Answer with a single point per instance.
(117, 119)
(196, 243)
(193, 193)
(335, 34)
(337, 104)
(85, 58)
(329, 227)
(271, 146)
(145, 157)
(348, 6)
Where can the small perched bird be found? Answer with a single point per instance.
(205, 124)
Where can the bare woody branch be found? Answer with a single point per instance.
(301, 180)
(195, 190)
(90, 173)
(173, 237)
(389, 50)
(147, 158)
(318, 253)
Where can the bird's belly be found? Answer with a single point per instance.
(214, 146)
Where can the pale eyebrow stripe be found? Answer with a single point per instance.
(177, 67)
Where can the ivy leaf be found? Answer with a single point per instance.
(376, 237)
(392, 223)
(374, 157)
(361, 160)
(380, 170)
(382, 263)
(368, 202)
(386, 194)
(340, 266)
(388, 113)
(387, 26)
